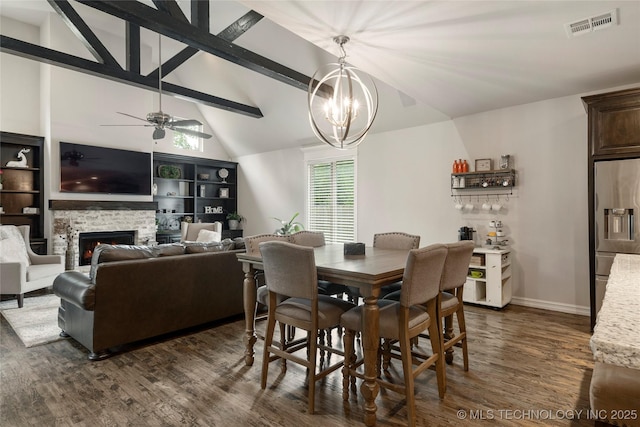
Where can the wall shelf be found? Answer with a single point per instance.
(495, 182)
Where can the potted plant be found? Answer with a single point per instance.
(234, 220)
(289, 227)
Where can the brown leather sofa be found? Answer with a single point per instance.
(135, 292)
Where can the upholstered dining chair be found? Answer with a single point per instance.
(290, 271)
(454, 277)
(21, 269)
(315, 239)
(191, 231)
(252, 247)
(390, 240)
(416, 311)
(452, 283)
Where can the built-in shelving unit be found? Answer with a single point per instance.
(192, 188)
(491, 284)
(22, 195)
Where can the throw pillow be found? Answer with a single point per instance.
(208, 236)
(12, 246)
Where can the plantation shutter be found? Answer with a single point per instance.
(331, 199)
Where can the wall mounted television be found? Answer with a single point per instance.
(92, 169)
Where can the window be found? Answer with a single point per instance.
(331, 198)
(187, 142)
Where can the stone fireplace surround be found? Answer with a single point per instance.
(102, 216)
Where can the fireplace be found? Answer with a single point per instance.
(88, 241)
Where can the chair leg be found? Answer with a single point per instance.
(268, 339)
(463, 333)
(313, 350)
(283, 345)
(407, 369)
(386, 354)
(20, 300)
(448, 334)
(349, 359)
(437, 345)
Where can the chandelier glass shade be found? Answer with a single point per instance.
(343, 102)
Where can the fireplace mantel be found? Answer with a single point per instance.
(81, 205)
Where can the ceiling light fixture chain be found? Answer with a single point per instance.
(343, 102)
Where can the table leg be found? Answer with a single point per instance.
(249, 297)
(371, 340)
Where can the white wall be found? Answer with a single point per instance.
(404, 185)
(19, 83)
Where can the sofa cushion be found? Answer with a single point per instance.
(238, 243)
(39, 271)
(108, 253)
(167, 249)
(199, 247)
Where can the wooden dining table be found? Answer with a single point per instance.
(368, 272)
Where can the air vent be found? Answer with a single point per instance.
(594, 23)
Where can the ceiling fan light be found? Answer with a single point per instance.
(336, 95)
(158, 133)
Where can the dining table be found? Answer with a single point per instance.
(368, 272)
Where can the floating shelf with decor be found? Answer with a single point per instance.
(498, 182)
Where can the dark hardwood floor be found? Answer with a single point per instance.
(527, 367)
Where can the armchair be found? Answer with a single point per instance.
(190, 230)
(22, 270)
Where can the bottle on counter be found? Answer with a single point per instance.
(456, 167)
(465, 166)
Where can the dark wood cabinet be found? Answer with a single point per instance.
(22, 192)
(614, 134)
(614, 124)
(202, 190)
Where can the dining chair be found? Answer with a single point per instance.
(316, 239)
(252, 247)
(390, 240)
(454, 277)
(416, 311)
(290, 272)
(452, 283)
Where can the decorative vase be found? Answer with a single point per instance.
(70, 259)
(233, 224)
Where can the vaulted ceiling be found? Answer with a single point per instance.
(433, 60)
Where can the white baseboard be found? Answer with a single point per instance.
(553, 306)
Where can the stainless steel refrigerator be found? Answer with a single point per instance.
(617, 216)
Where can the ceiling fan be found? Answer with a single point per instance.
(160, 120)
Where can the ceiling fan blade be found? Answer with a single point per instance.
(144, 126)
(158, 133)
(129, 115)
(191, 122)
(191, 132)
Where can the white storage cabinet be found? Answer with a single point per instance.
(494, 287)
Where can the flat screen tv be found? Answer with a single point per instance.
(91, 169)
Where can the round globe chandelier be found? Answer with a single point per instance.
(343, 102)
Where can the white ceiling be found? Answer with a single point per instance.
(438, 59)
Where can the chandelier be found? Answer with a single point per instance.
(343, 102)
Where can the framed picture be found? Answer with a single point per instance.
(483, 165)
(224, 193)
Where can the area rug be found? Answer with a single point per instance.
(37, 322)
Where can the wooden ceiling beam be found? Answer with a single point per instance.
(71, 62)
(160, 22)
(82, 31)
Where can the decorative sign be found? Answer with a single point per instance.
(213, 210)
